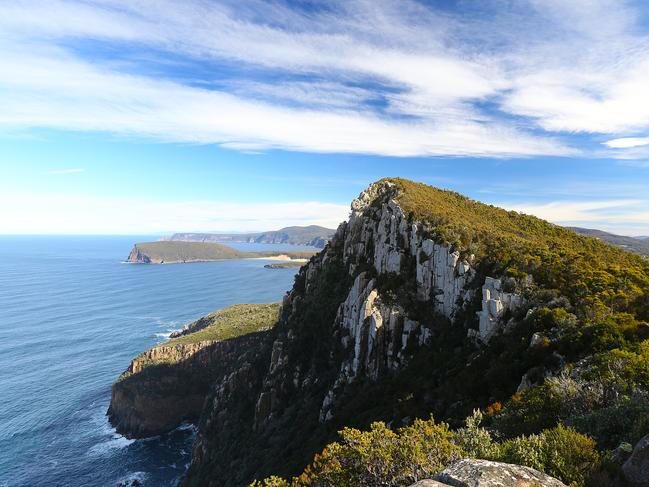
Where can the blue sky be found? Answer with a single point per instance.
(139, 117)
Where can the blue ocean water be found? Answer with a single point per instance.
(72, 315)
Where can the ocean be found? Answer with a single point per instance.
(72, 316)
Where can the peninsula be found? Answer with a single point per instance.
(175, 252)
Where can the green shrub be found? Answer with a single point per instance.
(474, 440)
(383, 457)
(272, 481)
(627, 420)
(560, 452)
(379, 457)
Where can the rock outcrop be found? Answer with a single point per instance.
(636, 468)
(137, 256)
(428, 483)
(485, 473)
(167, 385)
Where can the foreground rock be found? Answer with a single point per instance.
(485, 473)
(167, 384)
(636, 468)
(428, 483)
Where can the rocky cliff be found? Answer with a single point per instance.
(168, 384)
(360, 313)
(423, 302)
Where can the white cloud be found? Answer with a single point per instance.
(621, 216)
(68, 214)
(563, 67)
(427, 114)
(53, 89)
(627, 142)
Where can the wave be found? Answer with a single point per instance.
(117, 442)
(129, 478)
(111, 440)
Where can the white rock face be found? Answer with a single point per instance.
(441, 275)
(376, 334)
(494, 304)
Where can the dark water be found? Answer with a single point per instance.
(72, 316)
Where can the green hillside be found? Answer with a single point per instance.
(313, 235)
(188, 251)
(586, 270)
(582, 340)
(638, 245)
(230, 322)
(180, 251)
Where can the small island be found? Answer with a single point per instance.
(286, 265)
(175, 252)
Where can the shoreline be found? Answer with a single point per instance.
(281, 258)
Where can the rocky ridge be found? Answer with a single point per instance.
(368, 335)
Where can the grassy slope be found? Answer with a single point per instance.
(581, 268)
(464, 220)
(637, 245)
(177, 251)
(231, 322)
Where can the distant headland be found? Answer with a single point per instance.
(312, 235)
(176, 252)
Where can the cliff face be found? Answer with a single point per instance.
(137, 256)
(361, 314)
(168, 384)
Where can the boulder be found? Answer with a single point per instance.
(636, 468)
(428, 483)
(485, 473)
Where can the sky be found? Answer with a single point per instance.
(150, 117)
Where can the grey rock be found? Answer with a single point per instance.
(636, 468)
(428, 483)
(485, 473)
(495, 302)
(537, 339)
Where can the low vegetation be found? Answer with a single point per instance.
(231, 322)
(381, 456)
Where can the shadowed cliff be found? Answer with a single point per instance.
(168, 384)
